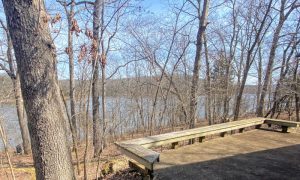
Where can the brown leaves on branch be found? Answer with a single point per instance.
(94, 49)
(56, 19)
(90, 51)
(89, 33)
(67, 50)
(82, 52)
(103, 59)
(75, 27)
(46, 18)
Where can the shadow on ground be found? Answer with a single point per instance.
(273, 164)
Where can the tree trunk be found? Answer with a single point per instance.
(36, 60)
(297, 104)
(195, 78)
(208, 83)
(249, 60)
(296, 89)
(103, 101)
(71, 71)
(18, 97)
(259, 76)
(240, 93)
(20, 113)
(95, 85)
(282, 18)
(103, 78)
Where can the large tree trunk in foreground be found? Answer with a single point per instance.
(36, 60)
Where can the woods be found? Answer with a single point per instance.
(84, 74)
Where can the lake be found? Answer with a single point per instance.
(123, 111)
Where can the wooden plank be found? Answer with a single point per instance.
(140, 154)
(139, 167)
(199, 131)
(203, 133)
(162, 137)
(136, 149)
(282, 122)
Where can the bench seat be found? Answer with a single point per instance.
(162, 139)
(145, 156)
(282, 122)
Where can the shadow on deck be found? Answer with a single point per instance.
(253, 155)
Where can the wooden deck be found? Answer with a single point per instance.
(137, 149)
(256, 154)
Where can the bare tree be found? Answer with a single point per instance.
(202, 17)
(296, 88)
(36, 62)
(258, 30)
(95, 86)
(283, 16)
(14, 75)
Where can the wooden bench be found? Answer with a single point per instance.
(142, 155)
(283, 123)
(136, 149)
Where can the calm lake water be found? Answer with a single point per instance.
(123, 110)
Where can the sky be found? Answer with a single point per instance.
(156, 7)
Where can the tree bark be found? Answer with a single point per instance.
(195, 78)
(259, 76)
(71, 71)
(282, 19)
(18, 97)
(207, 84)
(20, 113)
(103, 78)
(249, 60)
(95, 84)
(296, 89)
(36, 62)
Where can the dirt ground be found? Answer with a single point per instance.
(24, 170)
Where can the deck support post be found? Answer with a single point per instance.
(174, 145)
(284, 129)
(258, 126)
(241, 130)
(201, 139)
(223, 134)
(145, 172)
